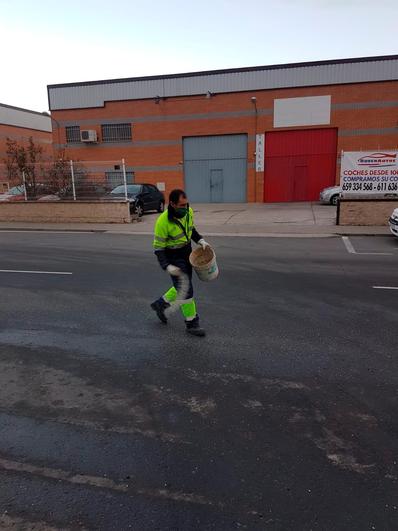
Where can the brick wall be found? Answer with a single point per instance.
(21, 135)
(366, 212)
(158, 129)
(66, 212)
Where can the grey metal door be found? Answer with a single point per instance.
(215, 168)
(216, 186)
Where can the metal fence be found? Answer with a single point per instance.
(65, 180)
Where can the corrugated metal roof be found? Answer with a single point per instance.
(18, 117)
(96, 93)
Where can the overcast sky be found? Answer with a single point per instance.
(44, 42)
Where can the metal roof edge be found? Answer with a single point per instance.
(25, 110)
(218, 94)
(226, 71)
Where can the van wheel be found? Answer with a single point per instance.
(334, 200)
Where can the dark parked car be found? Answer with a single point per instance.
(142, 197)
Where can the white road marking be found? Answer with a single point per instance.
(348, 245)
(36, 272)
(378, 254)
(385, 287)
(351, 250)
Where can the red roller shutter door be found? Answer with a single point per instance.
(299, 164)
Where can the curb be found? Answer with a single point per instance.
(23, 229)
(211, 234)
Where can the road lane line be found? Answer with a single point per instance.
(348, 245)
(351, 250)
(385, 287)
(36, 272)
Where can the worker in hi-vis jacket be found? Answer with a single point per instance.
(174, 231)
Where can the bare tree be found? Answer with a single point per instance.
(15, 160)
(40, 175)
(34, 156)
(59, 175)
(20, 158)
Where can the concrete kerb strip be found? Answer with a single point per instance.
(252, 232)
(239, 234)
(56, 231)
(205, 233)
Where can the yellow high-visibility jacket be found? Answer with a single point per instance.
(173, 236)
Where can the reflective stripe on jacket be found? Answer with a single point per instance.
(170, 235)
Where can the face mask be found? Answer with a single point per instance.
(181, 212)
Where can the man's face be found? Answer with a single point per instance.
(182, 202)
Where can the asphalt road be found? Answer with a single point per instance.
(285, 417)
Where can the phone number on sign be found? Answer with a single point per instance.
(370, 187)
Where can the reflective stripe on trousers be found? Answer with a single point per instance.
(188, 307)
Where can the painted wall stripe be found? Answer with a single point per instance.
(157, 168)
(364, 105)
(217, 115)
(168, 118)
(369, 132)
(132, 143)
(251, 138)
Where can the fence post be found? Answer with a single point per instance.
(24, 185)
(72, 173)
(124, 179)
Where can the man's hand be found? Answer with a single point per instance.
(203, 244)
(174, 270)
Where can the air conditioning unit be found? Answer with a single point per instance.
(88, 135)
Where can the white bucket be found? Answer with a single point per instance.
(204, 263)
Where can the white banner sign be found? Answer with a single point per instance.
(260, 141)
(369, 172)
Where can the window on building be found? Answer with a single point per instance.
(73, 134)
(114, 178)
(116, 132)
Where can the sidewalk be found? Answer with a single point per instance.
(259, 220)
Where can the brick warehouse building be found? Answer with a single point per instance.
(20, 124)
(201, 130)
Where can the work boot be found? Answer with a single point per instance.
(160, 306)
(193, 328)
